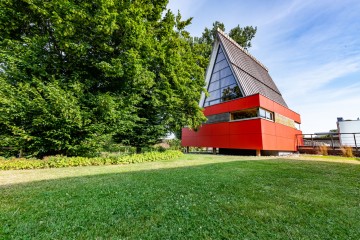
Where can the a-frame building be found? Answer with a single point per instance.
(246, 111)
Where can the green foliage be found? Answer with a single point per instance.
(45, 119)
(209, 35)
(175, 144)
(203, 45)
(63, 161)
(243, 36)
(74, 74)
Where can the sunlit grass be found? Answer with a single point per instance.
(328, 157)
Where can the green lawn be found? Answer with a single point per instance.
(195, 197)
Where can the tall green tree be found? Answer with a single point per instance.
(178, 81)
(74, 73)
(203, 45)
(243, 36)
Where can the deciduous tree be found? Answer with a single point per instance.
(76, 72)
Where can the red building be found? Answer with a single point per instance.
(246, 111)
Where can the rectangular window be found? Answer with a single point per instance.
(266, 114)
(252, 113)
(214, 95)
(222, 117)
(244, 114)
(262, 113)
(269, 115)
(214, 86)
(229, 80)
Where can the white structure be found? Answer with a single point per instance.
(349, 132)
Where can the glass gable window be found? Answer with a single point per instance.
(223, 86)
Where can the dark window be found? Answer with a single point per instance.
(252, 113)
(223, 117)
(230, 92)
(243, 114)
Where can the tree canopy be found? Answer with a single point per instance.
(203, 45)
(74, 74)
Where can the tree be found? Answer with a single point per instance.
(243, 36)
(74, 74)
(203, 45)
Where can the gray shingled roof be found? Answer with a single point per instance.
(252, 75)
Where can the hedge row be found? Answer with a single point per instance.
(62, 161)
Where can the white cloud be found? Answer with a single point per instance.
(309, 80)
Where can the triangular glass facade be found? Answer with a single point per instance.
(223, 86)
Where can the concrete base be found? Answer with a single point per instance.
(214, 150)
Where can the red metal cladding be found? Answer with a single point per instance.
(234, 105)
(241, 134)
(275, 107)
(278, 137)
(258, 133)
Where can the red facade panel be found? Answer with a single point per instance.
(245, 141)
(269, 142)
(245, 127)
(234, 105)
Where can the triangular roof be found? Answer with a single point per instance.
(252, 76)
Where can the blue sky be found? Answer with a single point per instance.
(311, 48)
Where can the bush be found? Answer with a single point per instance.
(62, 161)
(347, 151)
(175, 144)
(323, 150)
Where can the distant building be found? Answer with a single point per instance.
(347, 128)
(245, 110)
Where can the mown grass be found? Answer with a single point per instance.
(330, 157)
(195, 197)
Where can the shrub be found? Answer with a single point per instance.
(175, 144)
(62, 161)
(347, 151)
(323, 150)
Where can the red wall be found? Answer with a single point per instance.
(242, 134)
(234, 105)
(246, 134)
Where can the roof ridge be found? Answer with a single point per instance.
(241, 48)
